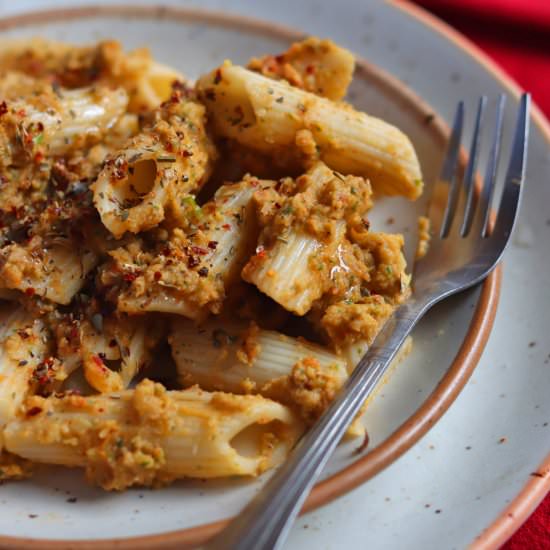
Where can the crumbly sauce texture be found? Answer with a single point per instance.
(122, 208)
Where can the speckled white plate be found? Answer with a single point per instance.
(455, 481)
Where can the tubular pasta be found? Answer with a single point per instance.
(149, 436)
(267, 115)
(155, 170)
(23, 347)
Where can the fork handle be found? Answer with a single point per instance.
(265, 522)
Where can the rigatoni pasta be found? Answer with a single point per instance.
(23, 352)
(245, 359)
(154, 233)
(149, 436)
(154, 172)
(265, 114)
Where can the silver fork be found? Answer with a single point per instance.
(460, 256)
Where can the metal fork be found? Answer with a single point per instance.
(460, 256)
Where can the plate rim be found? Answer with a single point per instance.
(433, 407)
(532, 493)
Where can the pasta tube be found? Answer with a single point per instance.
(97, 345)
(245, 359)
(23, 349)
(266, 115)
(189, 275)
(56, 272)
(299, 245)
(58, 121)
(149, 436)
(284, 272)
(156, 170)
(146, 81)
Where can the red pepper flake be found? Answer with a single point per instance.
(193, 261)
(218, 76)
(34, 411)
(226, 226)
(38, 157)
(30, 291)
(310, 69)
(21, 112)
(185, 153)
(157, 275)
(3, 108)
(97, 360)
(129, 277)
(212, 245)
(199, 250)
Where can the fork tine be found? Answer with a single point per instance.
(486, 198)
(469, 177)
(511, 194)
(448, 173)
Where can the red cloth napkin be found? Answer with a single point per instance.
(516, 34)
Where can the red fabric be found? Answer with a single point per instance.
(516, 34)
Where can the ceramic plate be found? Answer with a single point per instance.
(474, 456)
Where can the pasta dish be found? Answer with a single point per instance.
(187, 269)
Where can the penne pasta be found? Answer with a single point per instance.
(267, 115)
(59, 121)
(135, 207)
(146, 81)
(149, 436)
(284, 272)
(299, 246)
(151, 176)
(23, 350)
(189, 275)
(242, 358)
(55, 272)
(110, 350)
